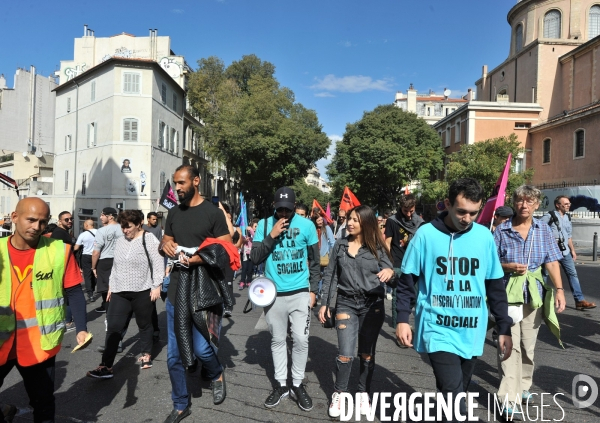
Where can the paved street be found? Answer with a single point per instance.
(134, 395)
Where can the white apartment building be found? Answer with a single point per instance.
(123, 126)
(430, 106)
(27, 112)
(314, 178)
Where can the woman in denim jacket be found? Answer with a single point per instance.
(358, 265)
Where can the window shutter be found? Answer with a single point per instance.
(134, 130)
(163, 93)
(136, 83)
(177, 142)
(126, 129)
(89, 135)
(93, 96)
(95, 127)
(68, 104)
(174, 102)
(70, 142)
(126, 82)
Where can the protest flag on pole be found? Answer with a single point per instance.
(168, 199)
(349, 200)
(497, 197)
(322, 213)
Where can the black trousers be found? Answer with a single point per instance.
(39, 384)
(452, 375)
(247, 271)
(88, 275)
(118, 315)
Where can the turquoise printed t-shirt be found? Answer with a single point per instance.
(287, 265)
(451, 311)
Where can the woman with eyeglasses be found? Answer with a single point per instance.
(134, 284)
(358, 265)
(525, 244)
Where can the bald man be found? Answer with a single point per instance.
(35, 274)
(86, 241)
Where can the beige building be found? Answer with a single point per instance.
(430, 107)
(314, 178)
(123, 126)
(545, 92)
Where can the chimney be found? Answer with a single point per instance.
(484, 72)
(411, 99)
(85, 30)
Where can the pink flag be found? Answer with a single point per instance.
(328, 211)
(497, 197)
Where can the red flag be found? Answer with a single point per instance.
(328, 210)
(321, 212)
(349, 200)
(497, 197)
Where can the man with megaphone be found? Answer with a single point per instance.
(289, 246)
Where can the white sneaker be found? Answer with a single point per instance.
(364, 403)
(334, 407)
(389, 296)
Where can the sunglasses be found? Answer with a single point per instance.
(283, 209)
(68, 219)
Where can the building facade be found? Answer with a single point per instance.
(314, 178)
(545, 92)
(123, 125)
(430, 107)
(27, 112)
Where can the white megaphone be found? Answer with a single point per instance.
(262, 293)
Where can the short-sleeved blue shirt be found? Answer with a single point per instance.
(287, 265)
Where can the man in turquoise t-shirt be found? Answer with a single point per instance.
(457, 267)
(290, 247)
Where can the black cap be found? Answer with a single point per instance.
(504, 211)
(285, 197)
(109, 211)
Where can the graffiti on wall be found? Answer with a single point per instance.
(171, 67)
(126, 53)
(71, 73)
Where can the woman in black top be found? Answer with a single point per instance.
(359, 263)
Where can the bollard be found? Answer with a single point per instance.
(595, 247)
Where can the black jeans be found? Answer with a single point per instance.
(247, 271)
(88, 275)
(39, 384)
(364, 321)
(117, 316)
(452, 375)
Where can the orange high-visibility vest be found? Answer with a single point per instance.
(27, 333)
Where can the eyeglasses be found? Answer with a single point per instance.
(528, 202)
(342, 217)
(68, 219)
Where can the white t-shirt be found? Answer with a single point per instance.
(87, 240)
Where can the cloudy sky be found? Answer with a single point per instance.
(340, 57)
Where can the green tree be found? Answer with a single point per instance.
(483, 161)
(383, 152)
(255, 126)
(305, 194)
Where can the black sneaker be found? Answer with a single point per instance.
(100, 310)
(101, 372)
(8, 411)
(275, 396)
(299, 394)
(227, 313)
(176, 416)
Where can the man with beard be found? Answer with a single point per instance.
(399, 230)
(63, 228)
(188, 225)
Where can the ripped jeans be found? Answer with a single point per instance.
(357, 319)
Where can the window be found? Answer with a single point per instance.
(518, 165)
(447, 110)
(163, 180)
(448, 137)
(68, 104)
(130, 129)
(174, 102)
(177, 142)
(172, 140)
(91, 134)
(522, 125)
(429, 111)
(546, 158)
(68, 145)
(579, 148)
(83, 183)
(552, 24)
(594, 22)
(131, 83)
(93, 91)
(66, 180)
(458, 134)
(162, 139)
(519, 38)
(163, 93)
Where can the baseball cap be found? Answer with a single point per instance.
(109, 210)
(504, 211)
(285, 197)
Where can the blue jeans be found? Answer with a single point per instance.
(568, 266)
(202, 349)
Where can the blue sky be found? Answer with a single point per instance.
(341, 58)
